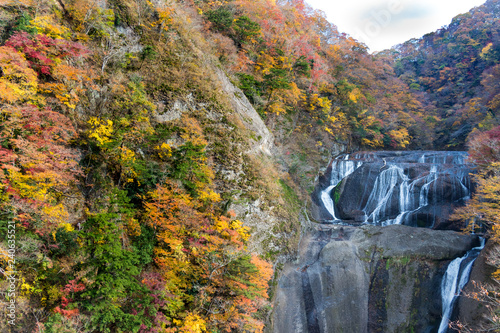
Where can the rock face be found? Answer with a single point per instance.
(418, 189)
(366, 279)
(260, 134)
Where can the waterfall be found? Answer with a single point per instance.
(455, 278)
(383, 191)
(395, 190)
(341, 168)
(410, 188)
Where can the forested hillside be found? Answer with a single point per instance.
(457, 67)
(140, 191)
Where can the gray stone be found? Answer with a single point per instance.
(367, 279)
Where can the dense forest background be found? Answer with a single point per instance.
(124, 167)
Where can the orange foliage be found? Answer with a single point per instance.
(206, 252)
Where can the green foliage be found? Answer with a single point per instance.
(302, 66)
(221, 18)
(23, 24)
(57, 323)
(66, 244)
(278, 78)
(336, 192)
(186, 166)
(245, 30)
(144, 245)
(110, 268)
(250, 86)
(6, 215)
(290, 196)
(147, 53)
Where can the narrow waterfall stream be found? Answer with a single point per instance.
(341, 167)
(354, 276)
(454, 280)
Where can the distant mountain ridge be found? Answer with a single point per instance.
(457, 69)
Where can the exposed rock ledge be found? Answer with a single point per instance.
(367, 279)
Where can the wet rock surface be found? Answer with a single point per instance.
(418, 189)
(366, 279)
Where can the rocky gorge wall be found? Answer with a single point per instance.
(367, 279)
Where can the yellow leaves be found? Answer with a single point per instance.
(281, 98)
(60, 91)
(266, 62)
(56, 214)
(67, 227)
(355, 95)
(101, 130)
(45, 25)
(18, 82)
(127, 158)
(314, 103)
(276, 108)
(243, 231)
(164, 151)
(33, 186)
(292, 95)
(26, 288)
(400, 137)
(192, 131)
(208, 196)
(221, 224)
(192, 324)
(164, 13)
(227, 228)
(127, 155)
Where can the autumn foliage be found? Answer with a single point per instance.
(204, 265)
(121, 156)
(482, 215)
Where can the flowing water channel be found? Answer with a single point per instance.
(454, 280)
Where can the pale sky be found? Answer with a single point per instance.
(381, 24)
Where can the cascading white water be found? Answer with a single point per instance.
(383, 190)
(403, 187)
(455, 278)
(410, 188)
(424, 191)
(341, 168)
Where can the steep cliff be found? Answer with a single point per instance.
(367, 279)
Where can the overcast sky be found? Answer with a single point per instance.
(381, 24)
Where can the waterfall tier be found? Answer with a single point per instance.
(417, 189)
